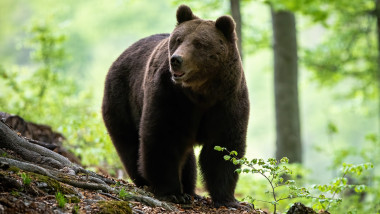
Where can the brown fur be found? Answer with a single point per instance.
(167, 93)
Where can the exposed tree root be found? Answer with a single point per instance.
(40, 160)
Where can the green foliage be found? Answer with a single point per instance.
(348, 53)
(359, 198)
(42, 84)
(3, 154)
(43, 93)
(109, 207)
(277, 174)
(26, 180)
(339, 185)
(123, 194)
(273, 171)
(75, 209)
(15, 193)
(61, 200)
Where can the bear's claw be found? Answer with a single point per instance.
(177, 199)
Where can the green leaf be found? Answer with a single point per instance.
(360, 188)
(233, 153)
(235, 161)
(227, 157)
(26, 179)
(218, 148)
(331, 128)
(284, 160)
(261, 162)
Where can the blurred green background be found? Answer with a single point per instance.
(54, 56)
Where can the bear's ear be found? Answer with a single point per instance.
(227, 25)
(184, 14)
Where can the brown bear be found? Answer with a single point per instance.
(167, 93)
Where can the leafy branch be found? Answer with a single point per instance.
(274, 172)
(340, 184)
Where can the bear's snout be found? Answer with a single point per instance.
(176, 62)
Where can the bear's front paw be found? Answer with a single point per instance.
(234, 204)
(177, 199)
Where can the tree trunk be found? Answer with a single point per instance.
(288, 142)
(377, 16)
(235, 12)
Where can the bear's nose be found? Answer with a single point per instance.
(176, 61)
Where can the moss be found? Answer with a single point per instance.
(55, 185)
(113, 207)
(15, 193)
(72, 199)
(14, 169)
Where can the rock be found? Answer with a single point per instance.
(299, 208)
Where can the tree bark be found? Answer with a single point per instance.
(236, 15)
(288, 134)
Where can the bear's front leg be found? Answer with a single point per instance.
(166, 139)
(225, 126)
(220, 177)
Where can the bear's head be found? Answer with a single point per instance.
(203, 53)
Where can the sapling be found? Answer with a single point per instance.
(274, 172)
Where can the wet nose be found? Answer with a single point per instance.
(176, 61)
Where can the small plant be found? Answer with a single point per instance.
(61, 200)
(25, 179)
(340, 184)
(3, 154)
(75, 209)
(15, 193)
(274, 172)
(123, 194)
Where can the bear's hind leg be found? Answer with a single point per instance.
(119, 123)
(189, 174)
(128, 153)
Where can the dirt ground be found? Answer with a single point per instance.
(38, 195)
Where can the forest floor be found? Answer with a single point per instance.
(36, 178)
(28, 192)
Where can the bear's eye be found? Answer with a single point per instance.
(179, 40)
(200, 45)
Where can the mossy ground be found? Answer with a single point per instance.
(114, 207)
